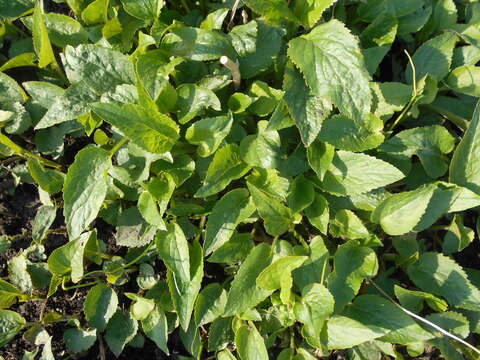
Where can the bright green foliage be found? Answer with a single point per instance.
(344, 81)
(256, 179)
(85, 188)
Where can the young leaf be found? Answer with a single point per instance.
(10, 324)
(263, 149)
(199, 44)
(225, 167)
(250, 344)
(309, 12)
(465, 167)
(352, 264)
(278, 275)
(150, 130)
(121, 329)
(79, 341)
(307, 110)
(233, 208)
(244, 292)
(143, 9)
(68, 259)
(41, 42)
(343, 81)
(314, 308)
(210, 304)
(185, 294)
(43, 220)
(352, 134)
(439, 275)
(193, 100)
(429, 143)
(209, 133)
(85, 188)
(464, 80)
(301, 195)
(173, 250)
(100, 305)
(320, 156)
(49, 180)
(356, 173)
(156, 328)
(277, 217)
(433, 57)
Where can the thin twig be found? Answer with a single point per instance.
(425, 321)
(232, 14)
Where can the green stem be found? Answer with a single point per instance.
(185, 5)
(25, 153)
(80, 285)
(144, 252)
(118, 145)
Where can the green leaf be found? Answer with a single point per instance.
(10, 325)
(355, 173)
(41, 223)
(79, 341)
(121, 329)
(49, 180)
(193, 100)
(352, 135)
(9, 294)
(41, 42)
(301, 194)
(307, 110)
(250, 344)
(263, 149)
(156, 328)
(465, 167)
(439, 275)
(310, 11)
(185, 294)
(225, 167)
(320, 156)
(314, 308)
(85, 188)
(451, 321)
(198, 44)
(465, 80)
(273, 10)
(173, 250)
(389, 97)
(276, 216)
(258, 44)
(409, 206)
(244, 292)
(95, 12)
(214, 20)
(234, 250)
(352, 264)
(233, 208)
(347, 225)
(210, 304)
(100, 305)
(458, 236)
(13, 9)
(68, 259)
(209, 133)
(333, 66)
(150, 130)
(381, 315)
(316, 268)
(413, 300)
(278, 275)
(62, 30)
(143, 9)
(10, 91)
(22, 60)
(429, 143)
(433, 57)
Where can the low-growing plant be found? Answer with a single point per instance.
(256, 179)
